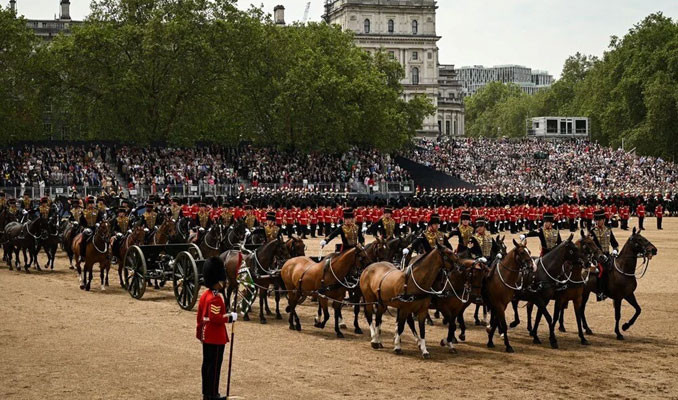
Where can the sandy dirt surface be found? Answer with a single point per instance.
(59, 342)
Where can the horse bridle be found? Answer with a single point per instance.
(523, 268)
(94, 238)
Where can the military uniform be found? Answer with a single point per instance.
(481, 243)
(270, 231)
(386, 226)
(351, 234)
(604, 238)
(430, 237)
(463, 232)
(548, 237)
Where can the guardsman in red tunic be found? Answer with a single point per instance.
(304, 220)
(640, 212)
(314, 220)
(659, 214)
(624, 215)
(211, 326)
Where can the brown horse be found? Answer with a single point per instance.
(263, 268)
(95, 252)
(304, 277)
(72, 230)
(164, 232)
(621, 282)
(504, 280)
(135, 238)
(461, 287)
(25, 237)
(384, 285)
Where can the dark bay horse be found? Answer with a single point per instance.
(24, 237)
(304, 277)
(622, 281)
(162, 235)
(384, 285)
(72, 229)
(134, 238)
(96, 252)
(263, 266)
(51, 242)
(5, 218)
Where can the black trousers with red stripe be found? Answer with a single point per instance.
(212, 356)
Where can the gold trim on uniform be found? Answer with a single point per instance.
(203, 218)
(27, 203)
(271, 232)
(150, 218)
(44, 210)
(227, 216)
(350, 233)
(466, 232)
(389, 226)
(250, 220)
(485, 242)
(91, 217)
(123, 223)
(175, 209)
(12, 209)
(432, 237)
(603, 236)
(76, 212)
(551, 238)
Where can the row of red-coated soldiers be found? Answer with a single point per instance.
(321, 221)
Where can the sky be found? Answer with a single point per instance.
(539, 34)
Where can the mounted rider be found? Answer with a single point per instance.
(351, 234)
(175, 209)
(270, 230)
(250, 219)
(89, 219)
(26, 208)
(549, 236)
(481, 241)
(386, 227)
(463, 231)
(202, 220)
(45, 208)
(604, 239)
(149, 219)
(427, 239)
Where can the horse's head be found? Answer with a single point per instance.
(641, 246)
(169, 226)
(103, 229)
(239, 229)
(499, 246)
(590, 251)
(138, 234)
(570, 253)
(281, 252)
(522, 258)
(296, 247)
(473, 276)
(378, 250)
(450, 259)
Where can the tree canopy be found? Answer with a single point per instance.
(174, 71)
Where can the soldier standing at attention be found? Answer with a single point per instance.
(211, 327)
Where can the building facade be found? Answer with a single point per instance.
(559, 127)
(406, 31)
(48, 29)
(530, 81)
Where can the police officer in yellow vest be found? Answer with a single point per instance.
(604, 238)
(547, 234)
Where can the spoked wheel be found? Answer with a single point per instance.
(134, 272)
(186, 280)
(195, 251)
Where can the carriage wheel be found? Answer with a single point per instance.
(195, 251)
(134, 272)
(186, 280)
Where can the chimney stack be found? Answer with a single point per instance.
(65, 10)
(12, 5)
(279, 15)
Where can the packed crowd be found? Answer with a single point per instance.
(27, 166)
(547, 168)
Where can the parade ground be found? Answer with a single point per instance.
(59, 342)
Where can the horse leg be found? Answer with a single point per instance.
(108, 268)
(500, 320)
(535, 327)
(266, 307)
(516, 317)
(377, 326)
(475, 315)
(102, 273)
(529, 307)
(576, 304)
(561, 317)
(617, 317)
(277, 302)
(422, 333)
(90, 276)
(356, 325)
(369, 310)
(462, 326)
(342, 325)
(449, 340)
(400, 327)
(26, 263)
(337, 313)
(319, 315)
(552, 334)
(292, 303)
(634, 303)
(492, 328)
(584, 300)
(262, 303)
(428, 319)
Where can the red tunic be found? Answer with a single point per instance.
(640, 210)
(659, 211)
(212, 306)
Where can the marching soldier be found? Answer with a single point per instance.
(640, 212)
(604, 238)
(351, 234)
(547, 234)
(659, 214)
(463, 231)
(304, 220)
(386, 227)
(481, 241)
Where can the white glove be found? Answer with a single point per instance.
(75, 223)
(247, 232)
(406, 252)
(322, 244)
(402, 226)
(522, 238)
(118, 234)
(25, 212)
(129, 231)
(499, 256)
(364, 229)
(332, 226)
(97, 225)
(614, 253)
(201, 229)
(146, 230)
(482, 260)
(234, 317)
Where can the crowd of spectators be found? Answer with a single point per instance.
(546, 167)
(37, 166)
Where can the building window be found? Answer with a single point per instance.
(440, 126)
(447, 127)
(391, 55)
(367, 26)
(415, 27)
(415, 76)
(415, 55)
(430, 55)
(391, 26)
